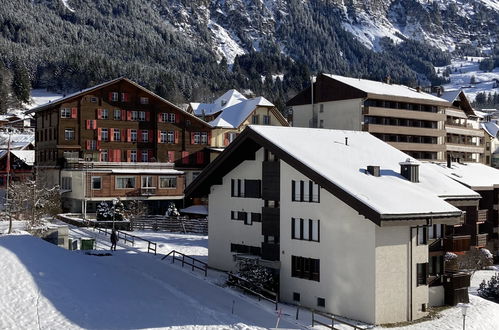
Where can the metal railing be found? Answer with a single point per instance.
(129, 238)
(202, 266)
(237, 281)
(332, 320)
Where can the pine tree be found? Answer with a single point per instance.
(21, 85)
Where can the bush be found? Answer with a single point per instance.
(490, 289)
(261, 278)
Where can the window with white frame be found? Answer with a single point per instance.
(96, 183)
(232, 136)
(168, 182)
(142, 115)
(145, 156)
(125, 182)
(171, 137)
(69, 134)
(144, 100)
(114, 96)
(104, 134)
(133, 135)
(171, 117)
(422, 235)
(197, 138)
(163, 137)
(65, 113)
(92, 145)
(305, 229)
(117, 134)
(133, 156)
(146, 182)
(255, 120)
(135, 115)
(104, 114)
(104, 156)
(145, 135)
(117, 114)
(164, 117)
(66, 183)
(204, 138)
(305, 191)
(93, 99)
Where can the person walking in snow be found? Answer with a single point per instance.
(114, 240)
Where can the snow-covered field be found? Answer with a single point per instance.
(462, 72)
(41, 96)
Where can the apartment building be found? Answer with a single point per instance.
(406, 118)
(352, 225)
(118, 125)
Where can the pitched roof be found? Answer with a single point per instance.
(474, 175)
(105, 84)
(235, 115)
(27, 156)
(17, 140)
(323, 156)
(228, 99)
(490, 128)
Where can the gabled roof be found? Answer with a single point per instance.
(340, 168)
(490, 128)
(473, 175)
(27, 156)
(460, 97)
(329, 87)
(228, 99)
(89, 90)
(234, 116)
(17, 140)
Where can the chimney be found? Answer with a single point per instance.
(449, 161)
(346, 141)
(410, 170)
(418, 89)
(388, 79)
(373, 170)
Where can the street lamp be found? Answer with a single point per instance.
(464, 308)
(115, 201)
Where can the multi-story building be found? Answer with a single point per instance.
(124, 129)
(491, 138)
(465, 138)
(408, 119)
(352, 225)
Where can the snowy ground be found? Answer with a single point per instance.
(467, 68)
(41, 96)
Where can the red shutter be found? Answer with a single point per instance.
(185, 157)
(99, 134)
(129, 156)
(149, 155)
(123, 135)
(123, 114)
(128, 115)
(129, 135)
(117, 155)
(148, 116)
(98, 145)
(177, 118)
(160, 117)
(192, 137)
(87, 124)
(111, 134)
(226, 139)
(110, 155)
(149, 135)
(87, 144)
(159, 136)
(171, 156)
(99, 113)
(200, 157)
(127, 97)
(74, 112)
(176, 137)
(110, 96)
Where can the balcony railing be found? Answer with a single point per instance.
(457, 243)
(148, 191)
(481, 240)
(481, 216)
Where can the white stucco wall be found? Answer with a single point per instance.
(344, 114)
(223, 231)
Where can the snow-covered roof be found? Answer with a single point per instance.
(490, 128)
(196, 209)
(27, 156)
(234, 116)
(228, 99)
(146, 171)
(383, 89)
(450, 96)
(17, 140)
(474, 175)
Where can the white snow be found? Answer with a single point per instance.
(66, 4)
(462, 70)
(41, 96)
(235, 115)
(226, 42)
(196, 209)
(475, 175)
(228, 99)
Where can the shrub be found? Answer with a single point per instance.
(490, 289)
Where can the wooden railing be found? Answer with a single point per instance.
(457, 243)
(201, 265)
(481, 240)
(332, 319)
(481, 215)
(244, 284)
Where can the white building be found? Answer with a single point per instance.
(332, 213)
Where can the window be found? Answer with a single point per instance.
(117, 114)
(232, 136)
(204, 138)
(255, 119)
(233, 215)
(135, 115)
(163, 137)
(145, 156)
(237, 188)
(256, 217)
(247, 220)
(117, 134)
(246, 188)
(246, 249)
(422, 274)
(104, 114)
(171, 117)
(96, 183)
(91, 145)
(133, 135)
(114, 96)
(146, 182)
(104, 134)
(306, 268)
(66, 183)
(195, 175)
(436, 231)
(266, 120)
(144, 100)
(93, 99)
(305, 191)
(133, 156)
(65, 113)
(321, 108)
(124, 182)
(422, 235)
(164, 117)
(296, 296)
(321, 123)
(69, 134)
(321, 302)
(197, 138)
(142, 115)
(145, 135)
(307, 230)
(125, 97)
(168, 182)
(104, 156)
(171, 137)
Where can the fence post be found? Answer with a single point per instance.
(297, 311)
(313, 319)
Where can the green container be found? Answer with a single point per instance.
(87, 244)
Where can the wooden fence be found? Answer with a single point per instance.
(173, 224)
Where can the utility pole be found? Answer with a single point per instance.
(7, 168)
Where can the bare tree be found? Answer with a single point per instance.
(133, 210)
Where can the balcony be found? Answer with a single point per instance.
(403, 113)
(148, 191)
(481, 216)
(463, 130)
(271, 173)
(435, 245)
(407, 130)
(270, 221)
(457, 243)
(481, 240)
(270, 251)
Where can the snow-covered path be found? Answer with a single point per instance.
(47, 287)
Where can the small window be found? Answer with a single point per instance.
(255, 120)
(135, 115)
(133, 135)
(256, 217)
(422, 235)
(104, 156)
(117, 114)
(125, 182)
(105, 134)
(104, 114)
(204, 138)
(145, 135)
(145, 156)
(171, 117)
(65, 113)
(163, 137)
(321, 108)
(93, 99)
(114, 96)
(171, 137)
(266, 120)
(69, 134)
(96, 183)
(296, 296)
(144, 100)
(133, 156)
(168, 182)
(142, 116)
(321, 302)
(146, 182)
(66, 183)
(117, 134)
(422, 274)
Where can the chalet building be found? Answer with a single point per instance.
(491, 138)
(482, 228)
(408, 119)
(113, 125)
(209, 111)
(20, 166)
(465, 138)
(351, 225)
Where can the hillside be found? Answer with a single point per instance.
(192, 50)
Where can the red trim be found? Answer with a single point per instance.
(185, 157)
(176, 137)
(159, 136)
(171, 156)
(99, 134)
(160, 117)
(74, 113)
(111, 134)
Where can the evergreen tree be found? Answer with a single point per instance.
(21, 85)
